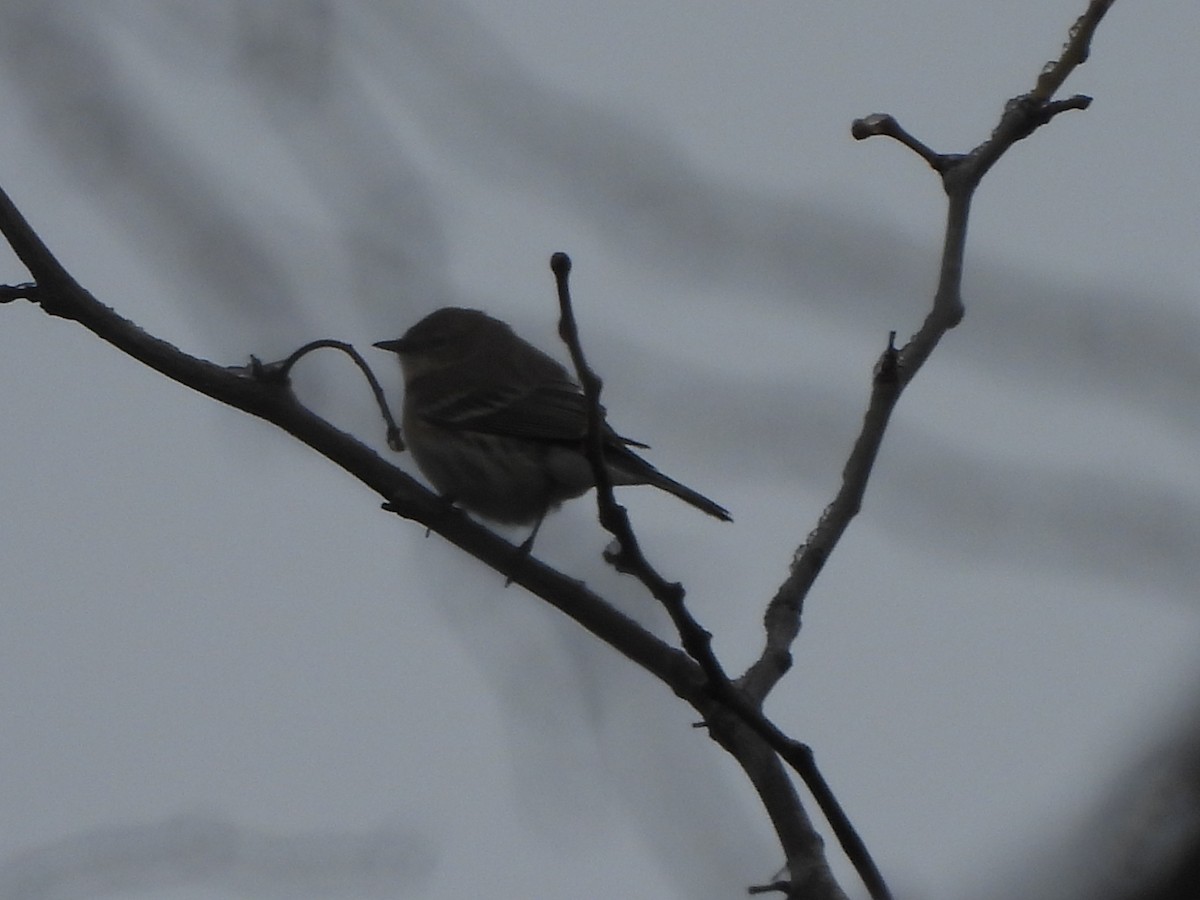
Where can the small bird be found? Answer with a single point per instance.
(500, 428)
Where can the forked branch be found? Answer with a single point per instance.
(960, 174)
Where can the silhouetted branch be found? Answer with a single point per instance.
(271, 399)
(961, 174)
(282, 371)
(696, 640)
(732, 711)
(628, 558)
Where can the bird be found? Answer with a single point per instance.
(499, 428)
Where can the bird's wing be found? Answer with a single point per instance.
(551, 410)
(547, 410)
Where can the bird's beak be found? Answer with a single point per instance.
(399, 345)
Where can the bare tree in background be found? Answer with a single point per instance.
(730, 707)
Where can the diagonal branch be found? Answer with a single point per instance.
(961, 175)
(261, 391)
(734, 713)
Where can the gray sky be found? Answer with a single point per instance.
(225, 673)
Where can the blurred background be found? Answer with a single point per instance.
(225, 673)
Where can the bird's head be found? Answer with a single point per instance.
(448, 337)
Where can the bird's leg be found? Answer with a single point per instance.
(526, 545)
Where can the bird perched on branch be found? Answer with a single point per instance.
(500, 428)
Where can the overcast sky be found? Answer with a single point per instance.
(225, 673)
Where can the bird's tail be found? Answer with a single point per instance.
(629, 468)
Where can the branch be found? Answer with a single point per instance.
(262, 390)
(1074, 53)
(282, 371)
(696, 640)
(961, 175)
(782, 618)
(732, 711)
(259, 391)
(735, 711)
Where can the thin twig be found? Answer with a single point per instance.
(1075, 52)
(281, 371)
(11, 292)
(775, 887)
(629, 558)
(882, 124)
(696, 640)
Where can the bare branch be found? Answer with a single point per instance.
(960, 174)
(281, 371)
(11, 292)
(775, 887)
(697, 641)
(782, 618)
(1075, 52)
(885, 125)
(732, 711)
(60, 295)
